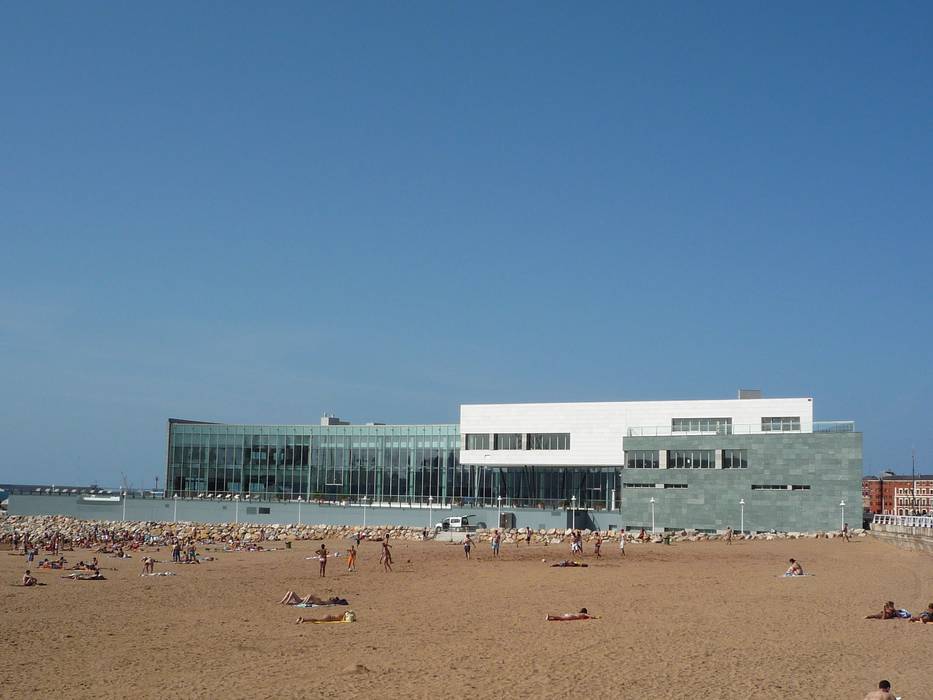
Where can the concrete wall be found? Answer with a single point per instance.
(915, 538)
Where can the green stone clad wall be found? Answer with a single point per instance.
(830, 463)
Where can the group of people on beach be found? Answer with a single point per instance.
(889, 611)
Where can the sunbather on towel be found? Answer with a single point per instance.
(292, 598)
(29, 579)
(566, 563)
(348, 616)
(582, 615)
(795, 569)
(924, 617)
(888, 612)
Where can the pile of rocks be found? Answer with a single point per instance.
(69, 529)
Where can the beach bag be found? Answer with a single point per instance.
(349, 616)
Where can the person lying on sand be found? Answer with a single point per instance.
(292, 598)
(582, 615)
(795, 569)
(888, 612)
(29, 579)
(78, 576)
(924, 617)
(566, 563)
(348, 616)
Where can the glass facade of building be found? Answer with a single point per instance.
(383, 463)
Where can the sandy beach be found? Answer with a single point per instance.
(676, 621)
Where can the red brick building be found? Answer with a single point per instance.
(896, 494)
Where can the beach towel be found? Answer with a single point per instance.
(321, 605)
(160, 573)
(903, 613)
(794, 575)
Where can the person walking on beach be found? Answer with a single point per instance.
(845, 531)
(467, 546)
(496, 541)
(359, 538)
(176, 552)
(728, 535)
(883, 692)
(322, 559)
(528, 536)
(351, 558)
(622, 542)
(386, 555)
(597, 544)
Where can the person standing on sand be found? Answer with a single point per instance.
(883, 692)
(359, 538)
(528, 536)
(622, 542)
(322, 559)
(597, 544)
(467, 546)
(386, 554)
(496, 541)
(728, 535)
(845, 531)
(351, 558)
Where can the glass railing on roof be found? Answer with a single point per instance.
(831, 426)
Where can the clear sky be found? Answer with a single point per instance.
(256, 212)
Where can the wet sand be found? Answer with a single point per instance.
(691, 620)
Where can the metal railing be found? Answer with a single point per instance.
(904, 520)
(823, 426)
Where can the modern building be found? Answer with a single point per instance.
(898, 494)
(748, 463)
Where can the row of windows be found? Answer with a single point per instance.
(780, 424)
(721, 426)
(641, 459)
(780, 487)
(735, 459)
(513, 441)
(691, 459)
(654, 486)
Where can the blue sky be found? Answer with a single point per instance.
(246, 213)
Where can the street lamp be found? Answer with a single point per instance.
(742, 517)
(485, 473)
(842, 509)
(365, 499)
(430, 512)
(299, 511)
(236, 512)
(124, 506)
(651, 501)
(573, 510)
(499, 517)
(175, 511)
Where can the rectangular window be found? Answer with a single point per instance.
(264, 511)
(547, 441)
(675, 486)
(507, 441)
(477, 441)
(780, 487)
(638, 486)
(641, 459)
(735, 459)
(781, 424)
(691, 459)
(717, 426)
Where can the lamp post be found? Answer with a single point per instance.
(651, 501)
(430, 512)
(124, 506)
(365, 499)
(236, 512)
(742, 516)
(573, 510)
(499, 517)
(842, 513)
(175, 510)
(485, 473)
(299, 510)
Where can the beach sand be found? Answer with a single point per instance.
(691, 620)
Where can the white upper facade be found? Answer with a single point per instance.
(597, 429)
